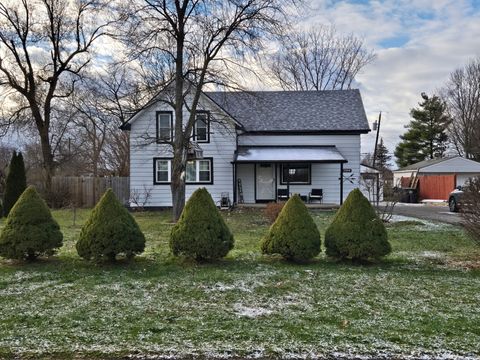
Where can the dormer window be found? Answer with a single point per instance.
(201, 128)
(164, 126)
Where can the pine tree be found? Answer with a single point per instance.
(201, 233)
(30, 230)
(16, 182)
(382, 158)
(110, 230)
(356, 232)
(294, 234)
(426, 136)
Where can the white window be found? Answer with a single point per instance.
(196, 171)
(191, 171)
(162, 171)
(199, 171)
(164, 126)
(200, 130)
(204, 170)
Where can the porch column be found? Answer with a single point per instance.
(341, 183)
(234, 171)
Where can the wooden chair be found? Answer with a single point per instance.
(282, 194)
(315, 194)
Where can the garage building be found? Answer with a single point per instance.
(436, 178)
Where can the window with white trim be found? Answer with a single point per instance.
(164, 126)
(199, 171)
(204, 170)
(201, 128)
(162, 170)
(196, 171)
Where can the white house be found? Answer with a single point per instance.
(255, 145)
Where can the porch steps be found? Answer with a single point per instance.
(322, 206)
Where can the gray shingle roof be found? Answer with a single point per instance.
(421, 164)
(330, 110)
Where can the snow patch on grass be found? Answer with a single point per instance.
(250, 312)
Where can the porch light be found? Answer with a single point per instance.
(292, 171)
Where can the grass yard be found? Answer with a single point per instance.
(423, 300)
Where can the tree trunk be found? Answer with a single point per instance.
(48, 163)
(179, 147)
(178, 187)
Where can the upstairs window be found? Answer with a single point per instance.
(164, 126)
(201, 129)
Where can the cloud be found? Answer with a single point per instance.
(418, 44)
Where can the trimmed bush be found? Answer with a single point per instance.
(356, 231)
(109, 231)
(16, 182)
(201, 232)
(30, 230)
(294, 234)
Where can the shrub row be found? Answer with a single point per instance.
(201, 233)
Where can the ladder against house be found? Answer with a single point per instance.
(240, 191)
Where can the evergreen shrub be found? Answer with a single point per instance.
(294, 234)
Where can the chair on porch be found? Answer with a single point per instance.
(282, 194)
(315, 194)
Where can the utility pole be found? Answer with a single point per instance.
(376, 139)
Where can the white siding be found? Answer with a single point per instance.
(324, 176)
(221, 147)
(463, 178)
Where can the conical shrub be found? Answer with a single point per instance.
(201, 232)
(30, 230)
(356, 231)
(16, 182)
(294, 234)
(109, 231)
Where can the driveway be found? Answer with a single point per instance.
(437, 213)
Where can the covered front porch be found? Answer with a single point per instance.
(267, 173)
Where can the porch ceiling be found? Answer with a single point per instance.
(318, 154)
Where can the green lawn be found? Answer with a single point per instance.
(424, 299)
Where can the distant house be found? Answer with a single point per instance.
(437, 177)
(255, 145)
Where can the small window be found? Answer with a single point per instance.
(162, 171)
(164, 127)
(295, 174)
(200, 130)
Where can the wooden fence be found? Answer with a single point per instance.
(85, 191)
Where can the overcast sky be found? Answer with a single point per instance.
(417, 42)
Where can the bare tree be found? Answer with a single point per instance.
(318, 59)
(470, 210)
(197, 43)
(44, 47)
(102, 103)
(462, 95)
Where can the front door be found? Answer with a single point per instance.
(265, 182)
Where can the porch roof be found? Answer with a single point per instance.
(317, 154)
